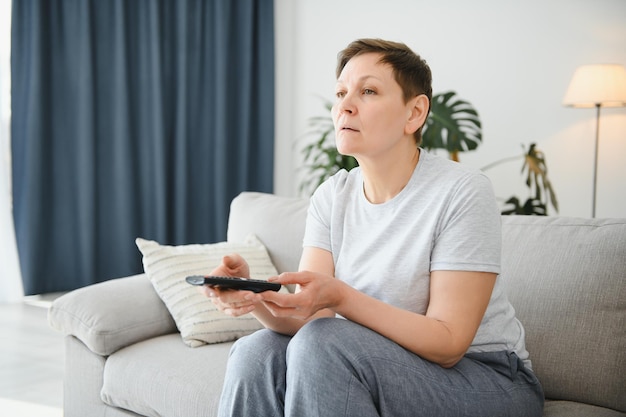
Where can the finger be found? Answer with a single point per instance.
(287, 312)
(206, 291)
(231, 296)
(287, 305)
(231, 261)
(233, 308)
(236, 265)
(239, 311)
(291, 278)
(236, 298)
(210, 291)
(278, 298)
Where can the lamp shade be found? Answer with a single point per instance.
(597, 85)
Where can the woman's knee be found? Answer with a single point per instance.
(256, 352)
(325, 342)
(330, 333)
(315, 335)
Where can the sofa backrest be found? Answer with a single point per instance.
(277, 221)
(566, 278)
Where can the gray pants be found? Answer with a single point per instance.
(334, 367)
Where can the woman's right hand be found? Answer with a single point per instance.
(231, 302)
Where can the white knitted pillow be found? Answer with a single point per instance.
(197, 319)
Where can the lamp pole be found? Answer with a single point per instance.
(595, 161)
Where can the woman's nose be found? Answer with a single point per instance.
(346, 105)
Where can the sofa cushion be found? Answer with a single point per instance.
(111, 315)
(574, 409)
(566, 278)
(162, 377)
(197, 319)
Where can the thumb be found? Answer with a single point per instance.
(291, 278)
(236, 264)
(229, 261)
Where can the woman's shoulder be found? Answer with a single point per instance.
(442, 169)
(438, 162)
(342, 181)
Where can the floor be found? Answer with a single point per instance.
(31, 360)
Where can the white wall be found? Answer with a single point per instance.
(512, 60)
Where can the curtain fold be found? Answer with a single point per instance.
(134, 118)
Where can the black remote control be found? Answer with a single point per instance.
(235, 283)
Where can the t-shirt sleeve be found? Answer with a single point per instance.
(469, 235)
(317, 229)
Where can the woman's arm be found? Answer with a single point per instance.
(458, 300)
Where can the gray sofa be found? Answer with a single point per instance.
(566, 278)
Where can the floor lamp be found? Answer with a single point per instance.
(597, 86)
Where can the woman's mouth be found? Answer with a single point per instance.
(349, 128)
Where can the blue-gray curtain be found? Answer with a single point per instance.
(134, 118)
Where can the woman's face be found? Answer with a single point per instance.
(369, 114)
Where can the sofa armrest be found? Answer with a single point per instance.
(113, 314)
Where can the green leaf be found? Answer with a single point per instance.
(537, 177)
(532, 206)
(453, 124)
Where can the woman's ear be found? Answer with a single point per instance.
(418, 112)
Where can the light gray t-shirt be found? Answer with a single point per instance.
(446, 218)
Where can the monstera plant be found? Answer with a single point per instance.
(453, 124)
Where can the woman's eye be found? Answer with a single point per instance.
(340, 94)
(368, 91)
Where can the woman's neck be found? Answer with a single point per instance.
(383, 181)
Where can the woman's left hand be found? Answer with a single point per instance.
(316, 292)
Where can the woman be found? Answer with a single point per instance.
(399, 309)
